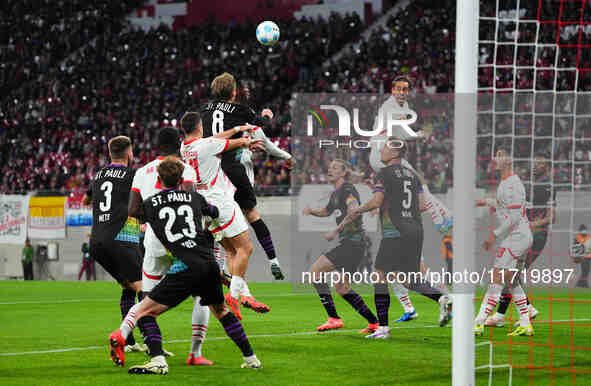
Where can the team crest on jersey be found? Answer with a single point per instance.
(338, 213)
(398, 173)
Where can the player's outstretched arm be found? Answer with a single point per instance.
(320, 212)
(270, 147)
(233, 131)
(208, 209)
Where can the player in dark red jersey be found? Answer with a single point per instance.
(540, 215)
(178, 219)
(223, 113)
(347, 255)
(114, 239)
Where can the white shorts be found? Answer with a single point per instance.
(154, 269)
(230, 222)
(514, 248)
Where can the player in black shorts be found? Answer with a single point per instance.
(177, 218)
(223, 113)
(346, 256)
(540, 216)
(114, 239)
(399, 196)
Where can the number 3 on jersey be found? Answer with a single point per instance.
(107, 187)
(217, 123)
(170, 215)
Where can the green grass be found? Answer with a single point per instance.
(285, 340)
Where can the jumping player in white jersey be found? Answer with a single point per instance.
(514, 231)
(157, 260)
(397, 105)
(230, 229)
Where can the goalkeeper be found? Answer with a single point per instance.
(397, 105)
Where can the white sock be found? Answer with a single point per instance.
(401, 293)
(274, 261)
(245, 291)
(432, 207)
(489, 303)
(129, 322)
(520, 301)
(199, 322)
(220, 255)
(236, 285)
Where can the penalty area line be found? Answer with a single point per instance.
(214, 338)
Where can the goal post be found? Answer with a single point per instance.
(466, 65)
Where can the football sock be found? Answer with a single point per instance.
(382, 301)
(245, 291)
(359, 305)
(505, 301)
(236, 285)
(401, 293)
(220, 255)
(127, 301)
(521, 304)
(489, 302)
(264, 237)
(427, 290)
(129, 322)
(152, 335)
(235, 331)
(199, 322)
(326, 299)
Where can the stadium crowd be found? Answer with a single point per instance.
(67, 90)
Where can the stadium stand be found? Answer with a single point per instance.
(100, 78)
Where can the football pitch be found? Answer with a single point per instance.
(55, 333)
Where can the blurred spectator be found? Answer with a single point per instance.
(87, 261)
(27, 257)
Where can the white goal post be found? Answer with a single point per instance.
(464, 189)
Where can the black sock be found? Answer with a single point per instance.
(234, 330)
(127, 301)
(382, 301)
(326, 299)
(359, 305)
(264, 237)
(152, 335)
(425, 289)
(506, 297)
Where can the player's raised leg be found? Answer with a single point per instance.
(343, 288)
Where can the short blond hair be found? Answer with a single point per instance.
(223, 86)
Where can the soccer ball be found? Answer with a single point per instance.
(267, 33)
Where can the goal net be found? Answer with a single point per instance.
(534, 98)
